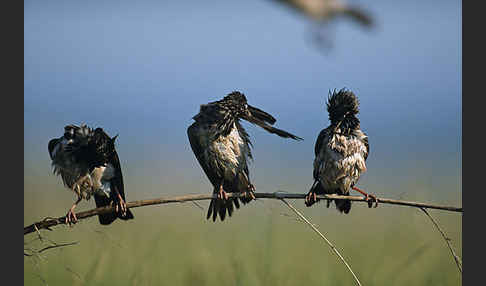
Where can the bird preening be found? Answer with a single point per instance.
(223, 148)
(341, 151)
(88, 164)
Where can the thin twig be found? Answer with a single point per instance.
(74, 272)
(49, 222)
(197, 205)
(447, 240)
(323, 237)
(57, 245)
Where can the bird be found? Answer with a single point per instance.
(88, 164)
(323, 13)
(327, 10)
(341, 151)
(223, 148)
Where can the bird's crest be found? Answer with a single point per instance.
(342, 104)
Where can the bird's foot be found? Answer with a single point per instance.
(249, 195)
(310, 198)
(222, 195)
(121, 206)
(370, 198)
(251, 192)
(71, 217)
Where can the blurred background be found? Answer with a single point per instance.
(142, 70)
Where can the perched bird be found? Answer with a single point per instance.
(223, 148)
(88, 164)
(341, 151)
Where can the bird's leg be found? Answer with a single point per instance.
(311, 197)
(251, 192)
(370, 198)
(120, 204)
(71, 216)
(222, 194)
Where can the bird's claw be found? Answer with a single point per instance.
(222, 195)
(120, 206)
(249, 195)
(370, 198)
(310, 198)
(71, 217)
(251, 192)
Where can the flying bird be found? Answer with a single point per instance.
(327, 10)
(88, 164)
(223, 148)
(322, 13)
(341, 151)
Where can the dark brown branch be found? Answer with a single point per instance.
(49, 222)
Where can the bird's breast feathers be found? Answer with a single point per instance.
(101, 177)
(341, 156)
(225, 152)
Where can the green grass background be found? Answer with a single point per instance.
(262, 244)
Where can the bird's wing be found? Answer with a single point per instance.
(271, 129)
(117, 181)
(246, 140)
(366, 143)
(113, 159)
(198, 150)
(51, 147)
(320, 142)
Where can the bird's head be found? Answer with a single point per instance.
(236, 104)
(77, 135)
(343, 106)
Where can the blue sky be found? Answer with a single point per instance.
(141, 71)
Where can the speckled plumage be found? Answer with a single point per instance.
(223, 148)
(341, 150)
(88, 164)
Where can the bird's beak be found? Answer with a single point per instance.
(265, 120)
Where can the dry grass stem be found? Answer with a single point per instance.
(323, 237)
(447, 240)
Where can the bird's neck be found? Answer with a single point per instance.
(346, 125)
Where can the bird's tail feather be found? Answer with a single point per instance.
(218, 206)
(343, 205)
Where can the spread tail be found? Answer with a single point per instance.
(343, 205)
(218, 206)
